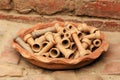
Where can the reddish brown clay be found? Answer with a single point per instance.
(58, 63)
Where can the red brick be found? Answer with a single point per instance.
(53, 6)
(64, 75)
(111, 26)
(49, 6)
(95, 23)
(70, 5)
(40, 77)
(44, 6)
(99, 8)
(23, 6)
(113, 53)
(89, 77)
(112, 68)
(33, 77)
(5, 4)
(10, 70)
(9, 55)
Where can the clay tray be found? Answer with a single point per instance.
(58, 63)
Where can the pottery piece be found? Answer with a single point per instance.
(97, 42)
(23, 44)
(73, 46)
(68, 58)
(54, 52)
(65, 42)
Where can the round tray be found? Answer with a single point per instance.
(58, 63)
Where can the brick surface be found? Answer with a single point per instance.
(41, 77)
(32, 77)
(44, 6)
(89, 77)
(113, 37)
(23, 6)
(10, 70)
(112, 68)
(49, 6)
(94, 8)
(111, 26)
(113, 53)
(9, 55)
(99, 8)
(5, 4)
(64, 75)
(103, 24)
(96, 23)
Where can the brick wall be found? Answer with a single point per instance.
(104, 12)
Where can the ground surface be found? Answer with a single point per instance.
(14, 67)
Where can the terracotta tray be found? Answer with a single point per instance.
(58, 63)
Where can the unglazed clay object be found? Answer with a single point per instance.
(58, 27)
(83, 27)
(47, 54)
(67, 34)
(37, 33)
(91, 47)
(23, 44)
(54, 52)
(82, 51)
(40, 39)
(44, 43)
(76, 54)
(65, 42)
(64, 30)
(93, 30)
(65, 52)
(86, 42)
(69, 26)
(36, 47)
(46, 48)
(73, 46)
(49, 37)
(72, 59)
(28, 38)
(79, 34)
(97, 42)
(93, 35)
